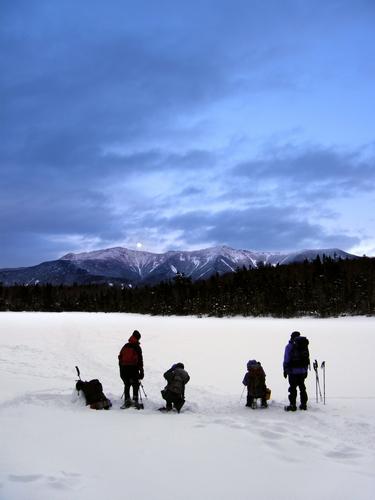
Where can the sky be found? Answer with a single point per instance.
(166, 125)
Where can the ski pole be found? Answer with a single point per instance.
(79, 376)
(242, 392)
(323, 367)
(315, 366)
(141, 385)
(317, 382)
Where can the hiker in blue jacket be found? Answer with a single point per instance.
(296, 363)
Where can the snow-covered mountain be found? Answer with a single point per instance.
(138, 267)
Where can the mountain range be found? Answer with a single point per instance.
(132, 267)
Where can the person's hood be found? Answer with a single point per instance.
(133, 340)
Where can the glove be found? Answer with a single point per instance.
(141, 374)
(285, 375)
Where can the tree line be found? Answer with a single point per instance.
(321, 288)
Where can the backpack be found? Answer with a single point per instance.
(257, 380)
(94, 395)
(299, 356)
(128, 356)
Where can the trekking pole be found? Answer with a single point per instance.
(141, 385)
(141, 406)
(317, 387)
(315, 366)
(242, 392)
(323, 367)
(79, 377)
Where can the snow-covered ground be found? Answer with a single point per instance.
(53, 447)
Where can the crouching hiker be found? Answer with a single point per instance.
(131, 369)
(255, 381)
(174, 392)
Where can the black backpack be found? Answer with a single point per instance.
(300, 356)
(94, 395)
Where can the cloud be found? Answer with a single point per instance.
(266, 228)
(313, 171)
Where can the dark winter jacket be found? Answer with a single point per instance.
(131, 355)
(290, 370)
(177, 378)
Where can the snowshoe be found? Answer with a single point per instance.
(138, 406)
(164, 409)
(302, 407)
(290, 408)
(127, 404)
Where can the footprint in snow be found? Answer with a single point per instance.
(25, 478)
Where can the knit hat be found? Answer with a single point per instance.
(294, 335)
(136, 334)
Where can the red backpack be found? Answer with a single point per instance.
(128, 356)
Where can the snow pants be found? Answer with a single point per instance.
(130, 377)
(173, 399)
(294, 382)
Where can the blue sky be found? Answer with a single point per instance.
(183, 125)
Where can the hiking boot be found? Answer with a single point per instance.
(302, 407)
(164, 409)
(290, 408)
(264, 404)
(127, 404)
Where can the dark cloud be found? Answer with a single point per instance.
(254, 228)
(316, 171)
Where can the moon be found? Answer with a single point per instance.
(139, 245)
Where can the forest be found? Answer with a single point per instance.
(321, 288)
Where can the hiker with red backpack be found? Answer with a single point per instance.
(296, 365)
(255, 381)
(131, 369)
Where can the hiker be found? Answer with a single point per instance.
(93, 392)
(255, 381)
(174, 392)
(131, 368)
(296, 364)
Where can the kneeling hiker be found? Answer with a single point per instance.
(131, 368)
(93, 392)
(296, 363)
(174, 392)
(255, 381)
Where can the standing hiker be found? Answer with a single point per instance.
(255, 381)
(296, 364)
(174, 392)
(131, 368)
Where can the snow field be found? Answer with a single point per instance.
(53, 447)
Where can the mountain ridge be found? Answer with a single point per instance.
(139, 267)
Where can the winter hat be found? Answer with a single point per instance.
(136, 334)
(294, 335)
(179, 365)
(251, 362)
